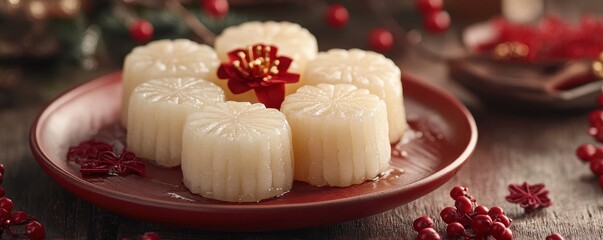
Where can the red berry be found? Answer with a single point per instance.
(494, 212)
(465, 220)
(497, 229)
(422, 222)
(428, 234)
(1, 177)
(463, 204)
(600, 101)
(1, 191)
(20, 217)
(507, 235)
(503, 219)
(449, 215)
(481, 209)
(6, 204)
(150, 236)
(595, 118)
(141, 31)
(586, 151)
(592, 131)
(337, 16)
(1, 168)
(436, 22)
(596, 166)
(4, 215)
(216, 8)
(35, 230)
(555, 236)
(381, 40)
(455, 229)
(458, 191)
(596, 133)
(481, 223)
(599, 135)
(429, 6)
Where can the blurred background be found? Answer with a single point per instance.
(49, 45)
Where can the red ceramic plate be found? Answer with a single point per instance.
(442, 138)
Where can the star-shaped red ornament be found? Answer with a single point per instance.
(87, 150)
(529, 197)
(95, 157)
(259, 68)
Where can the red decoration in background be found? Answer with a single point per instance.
(435, 19)
(529, 197)
(550, 39)
(259, 68)
(337, 16)
(98, 158)
(381, 40)
(430, 6)
(141, 31)
(215, 8)
(436, 22)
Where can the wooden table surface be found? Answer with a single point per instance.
(513, 147)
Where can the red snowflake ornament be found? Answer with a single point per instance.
(259, 68)
(87, 150)
(529, 197)
(98, 158)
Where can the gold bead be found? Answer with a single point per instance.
(509, 50)
(502, 51)
(520, 49)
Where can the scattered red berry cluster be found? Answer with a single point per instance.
(466, 214)
(379, 39)
(589, 153)
(467, 220)
(551, 39)
(11, 221)
(435, 20)
(141, 30)
(99, 158)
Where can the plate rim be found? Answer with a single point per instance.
(71, 181)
